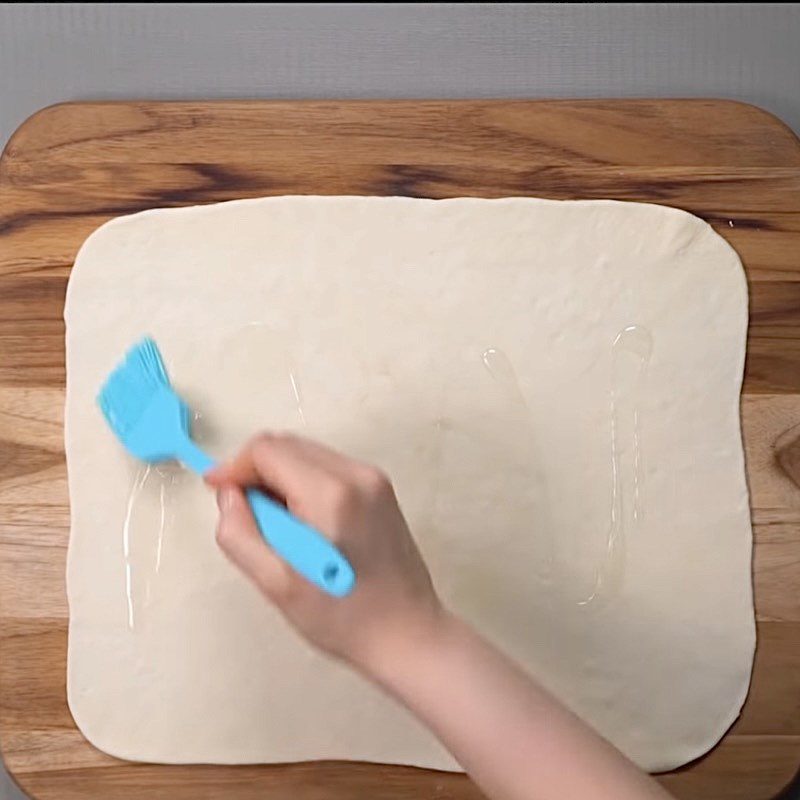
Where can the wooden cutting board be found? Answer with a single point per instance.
(71, 167)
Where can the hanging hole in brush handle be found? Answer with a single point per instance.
(305, 549)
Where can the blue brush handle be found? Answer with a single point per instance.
(190, 455)
(303, 548)
(308, 551)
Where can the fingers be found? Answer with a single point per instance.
(289, 466)
(239, 538)
(275, 461)
(241, 469)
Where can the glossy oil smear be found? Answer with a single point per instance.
(258, 349)
(151, 513)
(149, 518)
(501, 369)
(630, 357)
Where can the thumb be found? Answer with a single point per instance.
(240, 540)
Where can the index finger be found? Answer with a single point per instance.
(278, 462)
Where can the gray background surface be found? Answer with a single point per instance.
(50, 53)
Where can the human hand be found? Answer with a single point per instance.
(512, 736)
(351, 503)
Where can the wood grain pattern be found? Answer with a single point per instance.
(72, 167)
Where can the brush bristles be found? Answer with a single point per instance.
(129, 388)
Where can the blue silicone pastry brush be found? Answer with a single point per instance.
(153, 423)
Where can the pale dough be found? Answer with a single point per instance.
(467, 346)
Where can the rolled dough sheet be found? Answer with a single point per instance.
(554, 387)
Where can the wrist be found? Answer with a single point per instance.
(405, 643)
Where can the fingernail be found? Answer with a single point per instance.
(225, 498)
